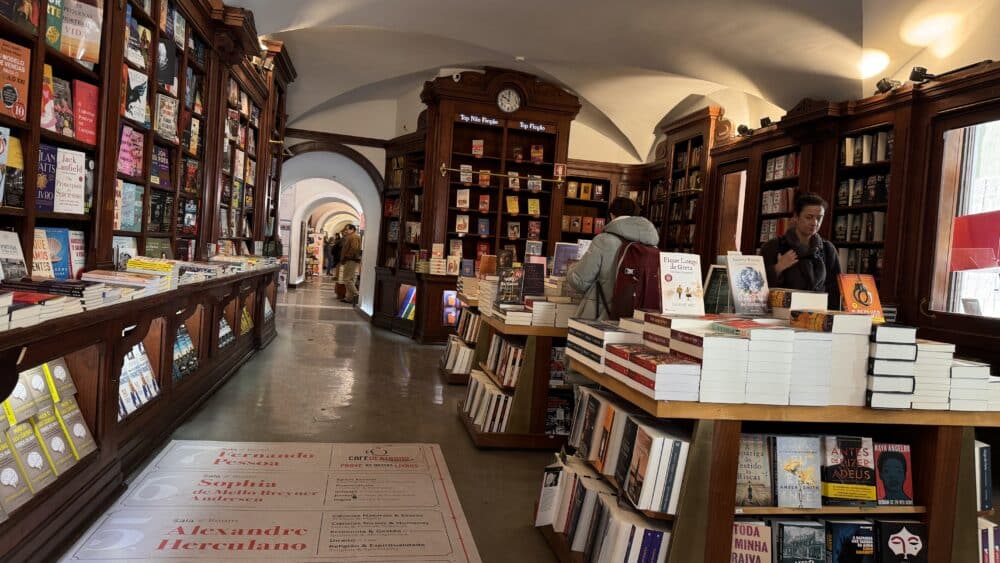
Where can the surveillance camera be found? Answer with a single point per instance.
(457, 76)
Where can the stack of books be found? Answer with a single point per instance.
(655, 330)
(468, 325)
(487, 294)
(769, 367)
(587, 339)
(438, 266)
(893, 367)
(486, 404)
(847, 358)
(49, 306)
(724, 363)
(658, 375)
(145, 284)
(468, 286)
(458, 356)
(170, 269)
(932, 378)
(22, 315)
(543, 313)
(514, 317)
(564, 312)
(813, 371)
(89, 294)
(423, 267)
(137, 385)
(969, 386)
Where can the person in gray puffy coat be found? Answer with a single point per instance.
(600, 263)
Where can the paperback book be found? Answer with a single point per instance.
(894, 478)
(753, 472)
(848, 471)
(797, 471)
(748, 284)
(136, 101)
(680, 284)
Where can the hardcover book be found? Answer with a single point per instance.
(136, 100)
(751, 542)
(62, 104)
(748, 284)
(894, 476)
(69, 191)
(85, 111)
(484, 203)
(483, 226)
(12, 264)
(24, 13)
(166, 66)
(513, 180)
(537, 154)
(166, 117)
(797, 471)
(797, 541)
(59, 252)
(45, 188)
(484, 178)
(15, 61)
(513, 206)
(81, 24)
(160, 173)
(462, 198)
(468, 267)
(680, 284)
(572, 189)
(77, 253)
(191, 181)
(859, 294)
(848, 471)
(455, 247)
(901, 541)
(48, 120)
(509, 286)
(598, 193)
(753, 472)
(130, 152)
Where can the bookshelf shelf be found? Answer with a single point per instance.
(769, 413)
(65, 64)
(866, 207)
(493, 377)
(66, 142)
(511, 330)
(470, 301)
(15, 124)
(13, 31)
(12, 211)
(560, 547)
(862, 511)
(780, 182)
(62, 216)
(509, 440)
(575, 201)
(880, 166)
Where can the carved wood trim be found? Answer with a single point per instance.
(330, 146)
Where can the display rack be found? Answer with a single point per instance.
(779, 184)
(942, 469)
(469, 306)
(526, 427)
(585, 206)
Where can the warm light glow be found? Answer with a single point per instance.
(924, 31)
(873, 61)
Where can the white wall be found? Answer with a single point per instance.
(369, 118)
(310, 180)
(586, 143)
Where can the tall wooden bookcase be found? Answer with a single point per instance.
(217, 41)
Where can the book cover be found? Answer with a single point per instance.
(54, 445)
(575, 224)
(585, 190)
(598, 192)
(534, 206)
(598, 225)
(4, 153)
(537, 154)
(513, 207)
(70, 179)
(797, 471)
(482, 248)
(484, 203)
(75, 428)
(166, 65)
(859, 294)
(748, 284)
(514, 181)
(12, 264)
(513, 230)
(53, 23)
(453, 265)
(166, 117)
(45, 188)
(13, 184)
(641, 462)
(901, 541)
(484, 178)
(59, 252)
(518, 154)
(130, 152)
(465, 174)
(534, 230)
(753, 472)
(533, 248)
(477, 148)
(77, 253)
(137, 97)
(751, 542)
(81, 30)
(62, 104)
(48, 118)
(565, 254)
(587, 225)
(455, 247)
(30, 457)
(534, 183)
(572, 189)
(24, 13)
(160, 173)
(468, 268)
(462, 198)
(509, 286)
(461, 223)
(894, 477)
(798, 541)
(483, 226)
(848, 471)
(15, 62)
(85, 111)
(15, 491)
(680, 284)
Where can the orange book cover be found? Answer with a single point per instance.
(858, 294)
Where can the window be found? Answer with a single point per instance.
(967, 270)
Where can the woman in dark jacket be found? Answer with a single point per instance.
(801, 259)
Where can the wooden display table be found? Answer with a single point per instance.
(94, 345)
(942, 445)
(459, 378)
(526, 426)
(468, 301)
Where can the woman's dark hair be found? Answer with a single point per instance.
(622, 206)
(891, 455)
(806, 199)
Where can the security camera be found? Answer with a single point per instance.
(457, 76)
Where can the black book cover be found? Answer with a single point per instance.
(589, 423)
(625, 453)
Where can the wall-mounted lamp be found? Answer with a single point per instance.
(744, 131)
(885, 85)
(919, 74)
(765, 121)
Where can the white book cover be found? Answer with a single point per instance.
(12, 265)
(77, 253)
(748, 284)
(41, 264)
(462, 198)
(680, 284)
(70, 179)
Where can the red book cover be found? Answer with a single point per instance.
(588, 224)
(481, 249)
(598, 225)
(893, 474)
(484, 204)
(85, 111)
(31, 298)
(15, 61)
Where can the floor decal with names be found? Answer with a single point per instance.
(283, 501)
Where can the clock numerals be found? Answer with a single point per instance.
(509, 100)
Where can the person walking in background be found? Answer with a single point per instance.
(597, 269)
(328, 256)
(350, 256)
(338, 245)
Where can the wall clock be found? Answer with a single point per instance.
(509, 100)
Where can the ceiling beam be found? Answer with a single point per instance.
(335, 138)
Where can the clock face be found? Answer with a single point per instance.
(508, 100)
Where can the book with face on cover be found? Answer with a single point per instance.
(484, 178)
(514, 180)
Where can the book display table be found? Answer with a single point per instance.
(526, 428)
(468, 304)
(943, 469)
(94, 345)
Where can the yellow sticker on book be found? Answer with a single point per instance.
(51, 382)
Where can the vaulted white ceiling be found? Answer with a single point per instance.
(631, 62)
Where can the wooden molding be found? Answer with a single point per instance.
(236, 37)
(337, 138)
(483, 87)
(282, 61)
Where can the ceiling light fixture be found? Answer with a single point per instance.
(744, 131)
(765, 121)
(886, 85)
(919, 74)
(519, 59)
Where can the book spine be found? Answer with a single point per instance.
(675, 451)
(985, 479)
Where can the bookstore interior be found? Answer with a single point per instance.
(733, 330)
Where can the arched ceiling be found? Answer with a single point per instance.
(631, 62)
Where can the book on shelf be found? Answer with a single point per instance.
(128, 206)
(534, 206)
(534, 230)
(894, 477)
(587, 225)
(484, 203)
(166, 66)
(484, 178)
(537, 154)
(161, 168)
(483, 226)
(12, 264)
(753, 475)
(598, 225)
(41, 264)
(513, 230)
(12, 186)
(513, 180)
(49, 119)
(796, 471)
(58, 251)
(166, 117)
(598, 192)
(513, 206)
(585, 190)
(848, 473)
(461, 223)
(572, 189)
(69, 186)
(136, 50)
(46, 183)
(462, 198)
(135, 104)
(465, 174)
(77, 30)
(748, 284)
(131, 144)
(517, 153)
(15, 62)
(23, 14)
(62, 104)
(533, 248)
(477, 148)
(534, 183)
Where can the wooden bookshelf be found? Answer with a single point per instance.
(779, 177)
(514, 330)
(860, 511)
(509, 440)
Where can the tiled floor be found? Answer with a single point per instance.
(330, 376)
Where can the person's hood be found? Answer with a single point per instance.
(637, 229)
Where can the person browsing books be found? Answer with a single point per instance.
(598, 266)
(801, 259)
(350, 258)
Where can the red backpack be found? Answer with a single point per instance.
(637, 281)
